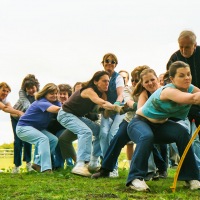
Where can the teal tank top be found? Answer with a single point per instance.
(157, 109)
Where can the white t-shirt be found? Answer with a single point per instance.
(119, 81)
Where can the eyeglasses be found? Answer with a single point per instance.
(110, 62)
(135, 80)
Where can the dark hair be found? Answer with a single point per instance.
(65, 88)
(77, 83)
(30, 81)
(95, 77)
(166, 78)
(176, 65)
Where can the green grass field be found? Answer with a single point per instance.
(62, 185)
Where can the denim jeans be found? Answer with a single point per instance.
(117, 143)
(108, 129)
(44, 141)
(145, 134)
(19, 145)
(84, 128)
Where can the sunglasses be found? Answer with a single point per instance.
(110, 62)
(135, 80)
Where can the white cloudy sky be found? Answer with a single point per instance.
(63, 41)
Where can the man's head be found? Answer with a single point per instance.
(187, 43)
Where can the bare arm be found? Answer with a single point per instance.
(142, 99)
(53, 109)
(120, 94)
(9, 109)
(180, 97)
(92, 95)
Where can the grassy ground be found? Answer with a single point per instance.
(64, 185)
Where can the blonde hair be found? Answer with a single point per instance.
(48, 88)
(5, 85)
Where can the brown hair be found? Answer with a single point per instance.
(30, 81)
(114, 57)
(65, 88)
(139, 88)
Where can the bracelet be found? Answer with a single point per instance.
(117, 103)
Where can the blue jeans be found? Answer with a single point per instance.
(145, 134)
(117, 143)
(18, 145)
(44, 141)
(108, 129)
(84, 128)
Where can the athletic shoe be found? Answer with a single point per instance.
(101, 174)
(152, 176)
(139, 185)
(16, 170)
(114, 174)
(1, 171)
(29, 167)
(81, 170)
(193, 184)
(94, 166)
(163, 174)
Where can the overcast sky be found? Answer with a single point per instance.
(63, 41)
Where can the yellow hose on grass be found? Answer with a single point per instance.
(173, 187)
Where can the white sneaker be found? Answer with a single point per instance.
(16, 170)
(1, 171)
(193, 184)
(94, 166)
(114, 174)
(139, 185)
(81, 170)
(29, 167)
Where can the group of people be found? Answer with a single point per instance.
(104, 114)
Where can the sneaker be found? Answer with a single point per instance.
(151, 176)
(101, 174)
(16, 170)
(29, 167)
(139, 185)
(94, 166)
(1, 171)
(36, 167)
(81, 170)
(114, 174)
(163, 174)
(193, 184)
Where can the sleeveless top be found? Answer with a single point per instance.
(112, 92)
(80, 106)
(157, 109)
